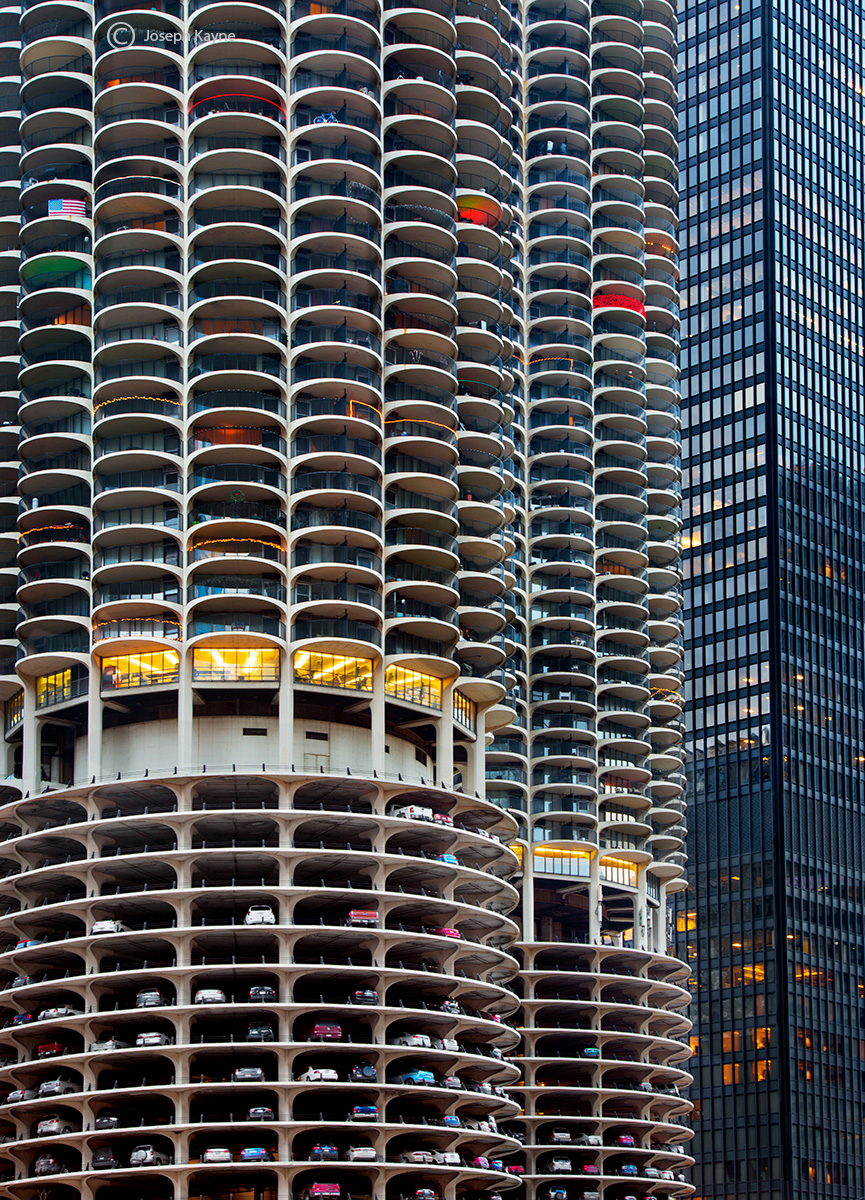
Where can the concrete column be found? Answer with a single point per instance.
(31, 746)
(528, 888)
(94, 722)
(184, 712)
(641, 912)
(445, 739)
(377, 722)
(594, 901)
(285, 744)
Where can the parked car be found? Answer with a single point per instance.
(587, 1139)
(480, 1161)
(450, 859)
(147, 1155)
(108, 926)
(150, 998)
(324, 1152)
(262, 993)
(559, 1165)
(260, 1112)
(21, 980)
(60, 1010)
(361, 1154)
(411, 812)
(590, 1169)
(318, 1075)
(624, 1139)
(320, 1191)
(416, 1077)
(324, 1031)
(445, 1044)
(153, 1037)
(450, 1006)
(108, 1120)
(590, 1052)
(561, 1136)
(51, 1050)
(50, 1164)
(446, 931)
(27, 942)
(248, 1075)
(104, 1159)
(22, 1019)
(216, 1154)
(210, 996)
(629, 1169)
(58, 1087)
(255, 1154)
(53, 1124)
(259, 1031)
(363, 1072)
(260, 914)
(109, 1042)
(417, 1040)
(363, 918)
(364, 996)
(363, 1112)
(18, 1094)
(450, 1081)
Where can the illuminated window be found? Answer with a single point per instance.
(64, 685)
(730, 1042)
(694, 1043)
(247, 664)
(406, 684)
(763, 1035)
(561, 862)
(616, 870)
(761, 1069)
(333, 670)
(730, 1074)
(465, 711)
(14, 710)
(140, 670)
(686, 921)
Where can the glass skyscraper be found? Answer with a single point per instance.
(772, 925)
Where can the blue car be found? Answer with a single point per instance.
(629, 1169)
(450, 859)
(416, 1077)
(255, 1154)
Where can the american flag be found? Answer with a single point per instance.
(67, 208)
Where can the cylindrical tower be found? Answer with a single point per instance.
(346, 601)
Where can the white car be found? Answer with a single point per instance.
(210, 996)
(216, 1154)
(446, 1158)
(361, 1154)
(109, 1043)
(53, 1125)
(260, 914)
(319, 1075)
(421, 1040)
(109, 927)
(62, 1010)
(560, 1165)
(412, 812)
(445, 1044)
(154, 1038)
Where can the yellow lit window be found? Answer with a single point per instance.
(729, 1074)
(465, 711)
(694, 1043)
(763, 1035)
(730, 1042)
(247, 664)
(761, 1069)
(333, 670)
(51, 689)
(14, 709)
(140, 670)
(406, 684)
(617, 870)
(686, 921)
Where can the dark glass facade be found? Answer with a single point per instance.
(772, 186)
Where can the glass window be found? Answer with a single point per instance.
(405, 684)
(140, 670)
(51, 689)
(465, 711)
(14, 710)
(247, 664)
(333, 670)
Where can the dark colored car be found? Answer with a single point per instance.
(259, 1031)
(262, 993)
(104, 1158)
